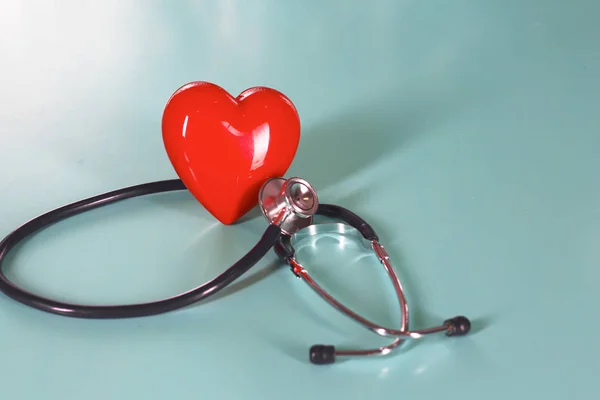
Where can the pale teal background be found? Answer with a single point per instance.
(465, 131)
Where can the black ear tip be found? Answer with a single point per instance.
(458, 326)
(321, 354)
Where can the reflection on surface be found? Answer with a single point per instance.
(342, 262)
(383, 373)
(261, 137)
(185, 124)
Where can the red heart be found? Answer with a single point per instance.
(224, 148)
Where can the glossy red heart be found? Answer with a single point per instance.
(224, 148)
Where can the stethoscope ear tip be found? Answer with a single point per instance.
(321, 354)
(457, 326)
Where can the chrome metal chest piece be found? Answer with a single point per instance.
(289, 203)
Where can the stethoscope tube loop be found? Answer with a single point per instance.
(266, 242)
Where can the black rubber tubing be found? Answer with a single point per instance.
(350, 218)
(268, 239)
(285, 252)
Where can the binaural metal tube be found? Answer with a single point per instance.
(325, 354)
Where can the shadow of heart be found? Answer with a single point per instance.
(418, 315)
(334, 149)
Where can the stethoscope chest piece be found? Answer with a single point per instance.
(288, 203)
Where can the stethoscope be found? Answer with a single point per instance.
(289, 205)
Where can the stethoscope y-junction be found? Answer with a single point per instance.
(289, 205)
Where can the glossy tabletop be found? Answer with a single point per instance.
(466, 132)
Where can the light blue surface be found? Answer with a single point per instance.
(466, 132)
